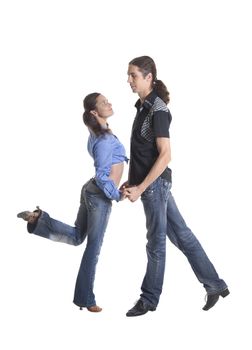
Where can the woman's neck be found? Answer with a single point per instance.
(102, 122)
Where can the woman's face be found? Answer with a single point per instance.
(103, 107)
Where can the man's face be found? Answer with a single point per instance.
(137, 81)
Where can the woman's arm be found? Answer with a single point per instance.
(102, 153)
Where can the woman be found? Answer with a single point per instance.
(150, 178)
(96, 199)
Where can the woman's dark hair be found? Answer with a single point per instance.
(146, 65)
(89, 104)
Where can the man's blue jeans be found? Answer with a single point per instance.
(163, 218)
(91, 222)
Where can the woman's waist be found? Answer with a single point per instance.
(116, 173)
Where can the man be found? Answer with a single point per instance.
(150, 178)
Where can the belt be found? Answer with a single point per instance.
(92, 186)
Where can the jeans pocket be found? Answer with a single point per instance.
(90, 200)
(167, 184)
(148, 194)
(157, 191)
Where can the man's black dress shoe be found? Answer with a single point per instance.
(213, 298)
(140, 309)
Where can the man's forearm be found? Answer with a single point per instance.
(157, 169)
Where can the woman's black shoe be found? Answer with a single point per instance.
(213, 298)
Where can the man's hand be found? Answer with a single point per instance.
(132, 193)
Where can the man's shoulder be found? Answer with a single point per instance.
(159, 105)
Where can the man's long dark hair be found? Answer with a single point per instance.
(147, 65)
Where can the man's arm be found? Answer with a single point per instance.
(164, 149)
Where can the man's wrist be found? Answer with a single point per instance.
(141, 187)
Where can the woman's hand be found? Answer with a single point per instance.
(123, 186)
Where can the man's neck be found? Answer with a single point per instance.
(144, 94)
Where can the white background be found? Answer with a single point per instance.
(53, 53)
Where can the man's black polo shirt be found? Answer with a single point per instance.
(152, 120)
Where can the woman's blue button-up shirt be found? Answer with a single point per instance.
(106, 150)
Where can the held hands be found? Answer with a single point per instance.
(122, 190)
(132, 193)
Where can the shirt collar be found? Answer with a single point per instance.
(148, 102)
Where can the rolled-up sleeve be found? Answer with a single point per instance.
(102, 153)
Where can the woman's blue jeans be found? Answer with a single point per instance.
(163, 218)
(91, 222)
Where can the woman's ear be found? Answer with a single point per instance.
(94, 113)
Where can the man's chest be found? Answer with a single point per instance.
(143, 125)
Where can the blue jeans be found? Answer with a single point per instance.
(91, 222)
(163, 218)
